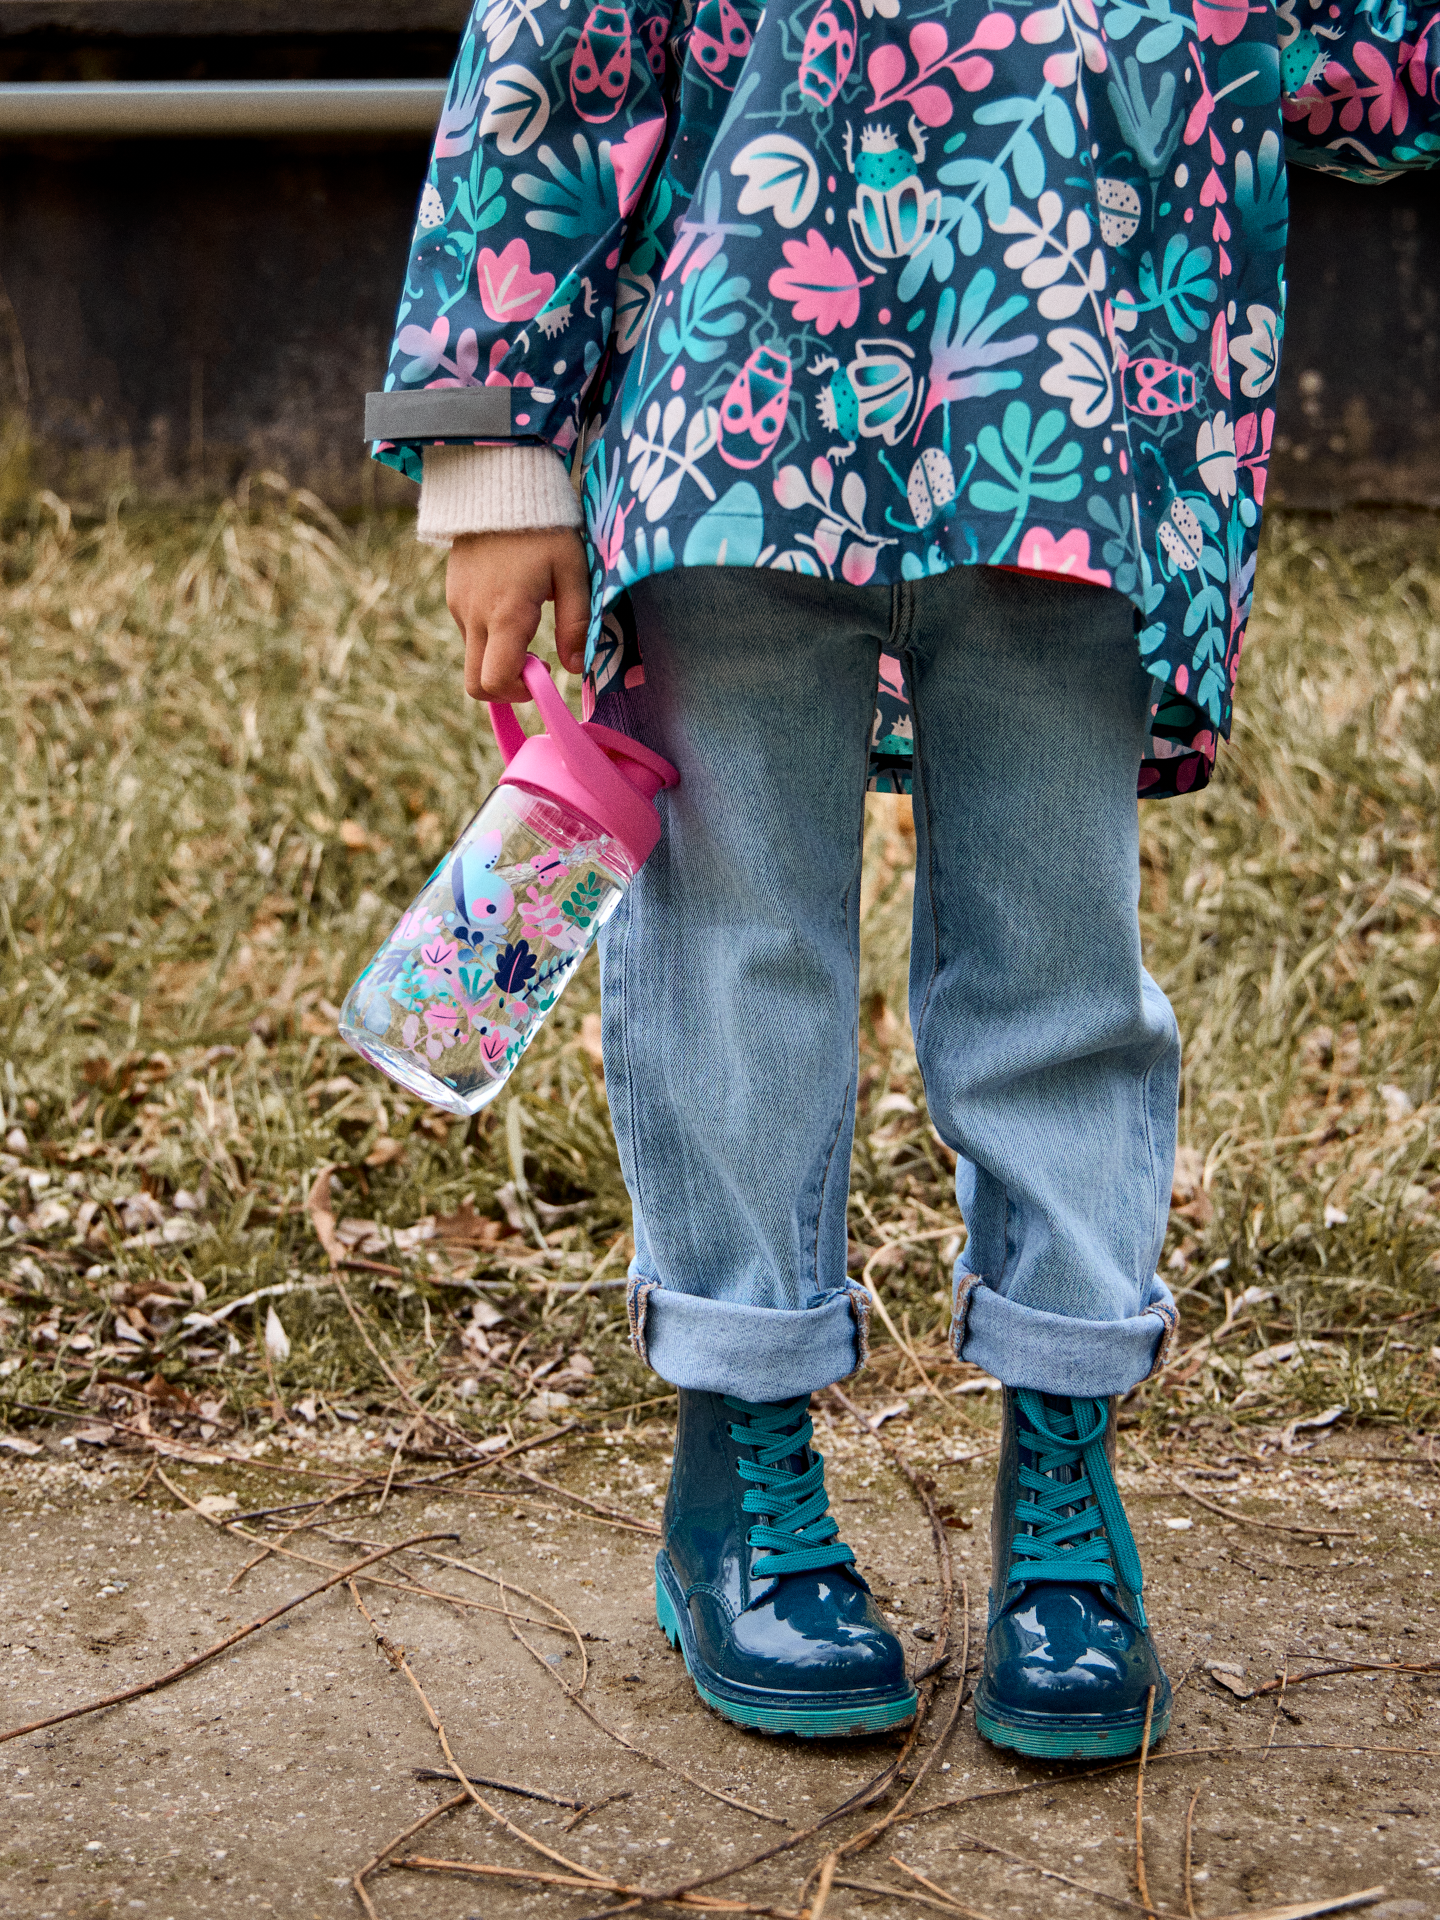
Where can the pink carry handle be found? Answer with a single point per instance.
(604, 776)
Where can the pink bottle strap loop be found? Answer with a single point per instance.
(596, 785)
(510, 736)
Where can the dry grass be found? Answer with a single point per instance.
(236, 747)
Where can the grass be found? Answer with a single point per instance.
(236, 747)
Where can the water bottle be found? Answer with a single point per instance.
(461, 987)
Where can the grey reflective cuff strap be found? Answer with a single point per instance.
(439, 413)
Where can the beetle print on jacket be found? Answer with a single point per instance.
(866, 290)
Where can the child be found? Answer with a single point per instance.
(919, 356)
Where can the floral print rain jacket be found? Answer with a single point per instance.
(868, 289)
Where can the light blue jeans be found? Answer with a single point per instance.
(730, 978)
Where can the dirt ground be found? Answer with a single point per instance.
(261, 1782)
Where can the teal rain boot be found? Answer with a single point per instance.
(1069, 1662)
(753, 1584)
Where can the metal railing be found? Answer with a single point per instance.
(225, 108)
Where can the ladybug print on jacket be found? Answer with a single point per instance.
(600, 68)
(868, 289)
(719, 41)
(829, 52)
(1157, 387)
(753, 410)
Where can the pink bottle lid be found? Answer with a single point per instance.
(602, 775)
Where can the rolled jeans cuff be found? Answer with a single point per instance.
(760, 1354)
(1052, 1353)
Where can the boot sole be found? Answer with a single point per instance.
(747, 1707)
(1077, 1736)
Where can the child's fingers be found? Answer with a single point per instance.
(493, 667)
(572, 604)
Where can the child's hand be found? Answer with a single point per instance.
(496, 586)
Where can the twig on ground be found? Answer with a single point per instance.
(230, 1640)
(1307, 1909)
(923, 1489)
(1189, 1840)
(420, 1864)
(1279, 1700)
(396, 1656)
(502, 1786)
(614, 1514)
(1349, 1666)
(593, 1806)
(358, 1880)
(567, 1624)
(823, 1886)
(640, 1753)
(1051, 1873)
(406, 1434)
(301, 1526)
(903, 1240)
(955, 1905)
(1233, 1513)
(1140, 1881)
(901, 1893)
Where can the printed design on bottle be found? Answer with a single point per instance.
(462, 985)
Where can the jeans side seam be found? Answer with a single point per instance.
(631, 1127)
(1160, 1198)
(850, 1087)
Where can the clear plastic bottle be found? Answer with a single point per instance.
(459, 989)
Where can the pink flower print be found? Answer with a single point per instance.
(819, 283)
(494, 378)
(1067, 558)
(410, 1032)
(415, 925)
(1253, 434)
(1221, 20)
(437, 959)
(540, 918)
(1387, 96)
(510, 289)
(631, 159)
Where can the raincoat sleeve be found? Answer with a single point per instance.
(551, 125)
(1360, 86)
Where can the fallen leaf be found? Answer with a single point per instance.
(1232, 1680)
(384, 1151)
(277, 1341)
(322, 1214)
(1179, 1526)
(1325, 1419)
(15, 1444)
(213, 1505)
(467, 1228)
(545, 1403)
(168, 1394)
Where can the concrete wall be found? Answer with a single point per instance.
(173, 314)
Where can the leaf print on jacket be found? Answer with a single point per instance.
(866, 291)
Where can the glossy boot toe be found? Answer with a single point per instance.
(1070, 1669)
(753, 1585)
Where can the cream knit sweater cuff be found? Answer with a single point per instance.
(493, 490)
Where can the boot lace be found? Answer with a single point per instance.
(797, 1526)
(1070, 1525)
